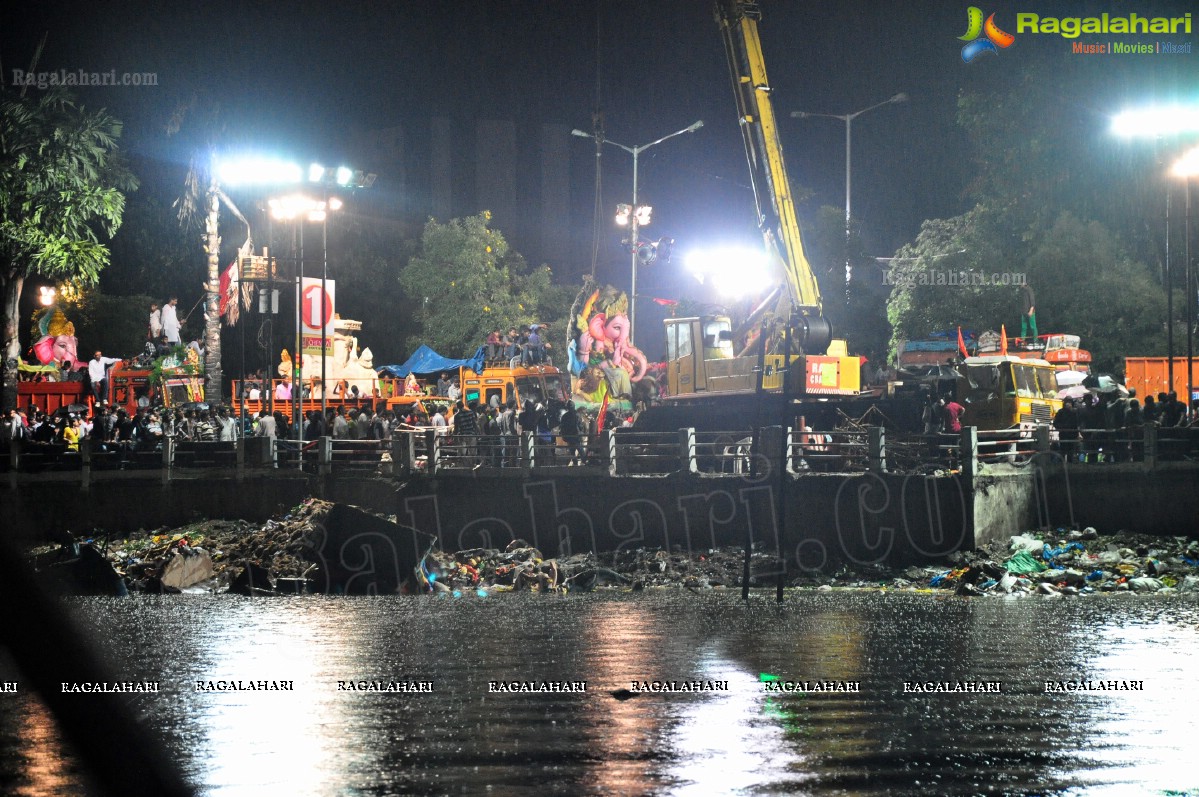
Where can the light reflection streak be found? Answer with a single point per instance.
(41, 747)
(723, 741)
(1141, 741)
(265, 743)
(624, 644)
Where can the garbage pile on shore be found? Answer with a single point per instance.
(1068, 562)
(303, 550)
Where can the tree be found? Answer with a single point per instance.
(466, 282)
(201, 200)
(934, 285)
(1089, 286)
(61, 187)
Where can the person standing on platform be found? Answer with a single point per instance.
(170, 321)
(1028, 321)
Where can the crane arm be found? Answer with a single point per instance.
(738, 21)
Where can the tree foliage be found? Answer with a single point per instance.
(465, 281)
(1060, 200)
(61, 189)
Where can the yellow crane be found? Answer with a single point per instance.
(707, 355)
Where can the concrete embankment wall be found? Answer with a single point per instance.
(1161, 500)
(827, 519)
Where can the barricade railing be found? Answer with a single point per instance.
(620, 452)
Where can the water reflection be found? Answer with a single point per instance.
(464, 739)
(263, 742)
(44, 769)
(622, 644)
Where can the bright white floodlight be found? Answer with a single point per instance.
(1154, 121)
(268, 171)
(733, 272)
(1187, 166)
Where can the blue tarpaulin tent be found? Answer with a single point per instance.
(426, 361)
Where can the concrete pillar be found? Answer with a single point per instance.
(876, 441)
(85, 459)
(528, 450)
(240, 446)
(324, 455)
(687, 451)
(608, 444)
(168, 457)
(1041, 433)
(1151, 445)
(968, 452)
(432, 452)
(768, 448)
(403, 452)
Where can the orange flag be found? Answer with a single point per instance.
(1003, 340)
(962, 344)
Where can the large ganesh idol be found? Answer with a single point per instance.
(603, 358)
(58, 345)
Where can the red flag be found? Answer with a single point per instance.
(228, 286)
(1003, 340)
(603, 411)
(666, 302)
(962, 344)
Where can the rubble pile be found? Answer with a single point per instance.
(521, 567)
(168, 560)
(304, 550)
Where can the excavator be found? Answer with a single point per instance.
(718, 369)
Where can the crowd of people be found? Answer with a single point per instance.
(526, 346)
(490, 434)
(1087, 427)
(114, 429)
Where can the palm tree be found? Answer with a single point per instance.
(201, 198)
(61, 184)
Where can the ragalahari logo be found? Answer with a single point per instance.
(991, 40)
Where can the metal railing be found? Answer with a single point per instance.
(620, 452)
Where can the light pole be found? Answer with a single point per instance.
(848, 119)
(1187, 167)
(636, 216)
(1157, 122)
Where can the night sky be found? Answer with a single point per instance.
(303, 79)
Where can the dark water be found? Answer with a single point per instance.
(460, 739)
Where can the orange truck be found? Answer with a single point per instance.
(1150, 376)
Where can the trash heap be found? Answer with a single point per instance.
(1068, 562)
(209, 554)
(522, 567)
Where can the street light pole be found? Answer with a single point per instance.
(1186, 168)
(848, 119)
(634, 224)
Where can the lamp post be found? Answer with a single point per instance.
(848, 119)
(1187, 167)
(636, 216)
(301, 208)
(1156, 122)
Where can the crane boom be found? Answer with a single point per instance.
(710, 362)
(738, 21)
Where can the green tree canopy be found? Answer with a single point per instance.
(61, 184)
(465, 282)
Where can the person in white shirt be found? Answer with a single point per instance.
(266, 425)
(97, 371)
(170, 321)
(155, 322)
